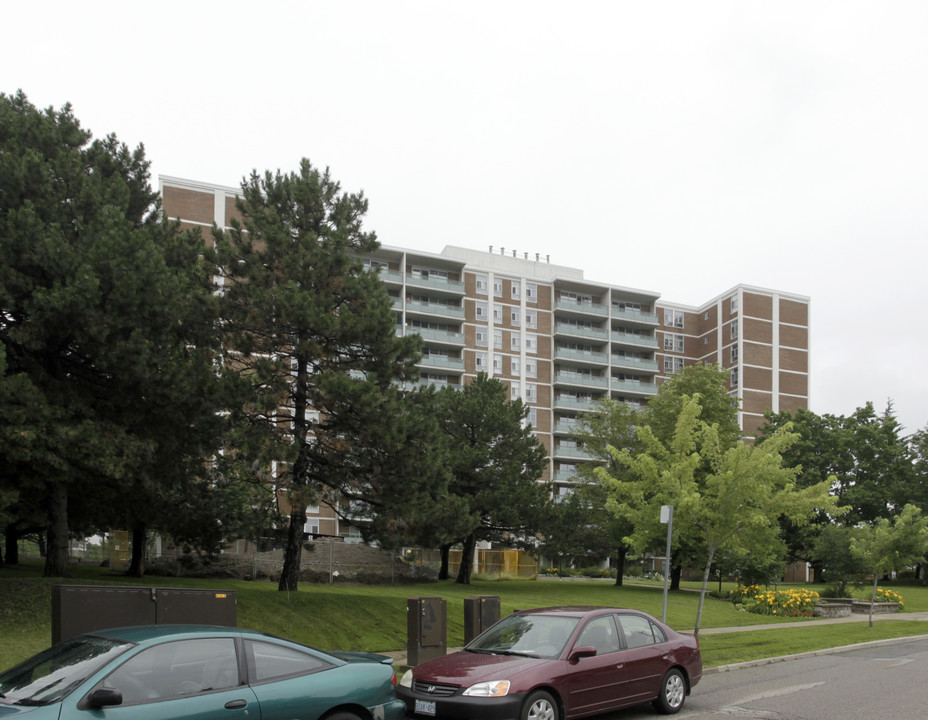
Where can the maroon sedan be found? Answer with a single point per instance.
(555, 664)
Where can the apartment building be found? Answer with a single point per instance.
(562, 342)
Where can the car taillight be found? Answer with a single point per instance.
(393, 679)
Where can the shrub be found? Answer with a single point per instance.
(888, 596)
(795, 602)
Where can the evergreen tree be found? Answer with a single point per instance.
(107, 323)
(310, 334)
(495, 465)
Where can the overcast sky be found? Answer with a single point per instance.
(680, 147)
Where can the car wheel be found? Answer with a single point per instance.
(673, 692)
(540, 706)
(342, 715)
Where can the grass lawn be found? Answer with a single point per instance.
(373, 617)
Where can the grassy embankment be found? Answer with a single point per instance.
(373, 618)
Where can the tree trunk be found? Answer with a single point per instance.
(702, 592)
(293, 551)
(56, 557)
(137, 566)
(11, 541)
(445, 552)
(675, 574)
(620, 554)
(467, 560)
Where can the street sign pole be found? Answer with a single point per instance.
(666, 519)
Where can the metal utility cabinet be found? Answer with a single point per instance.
(426, 629)
(480, 612)
(79, 609)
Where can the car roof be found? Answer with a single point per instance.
(147, 633)
(574, 610)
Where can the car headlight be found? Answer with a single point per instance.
(406, 680)
(493, 688)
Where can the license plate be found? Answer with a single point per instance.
(426, 707)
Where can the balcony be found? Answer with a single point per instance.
(589, 356)
(442, 361)
(633, 362)
(572, 452)
(441, 336)
(566, 428)
(434, 308)
(571, 378)
(391, 277)
(570, 403)
(637, 388)
(451, 286)
(633, 339)
(587, 308)
(636, 317)
(580, 331)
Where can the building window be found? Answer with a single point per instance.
(497, 287)
(481, 337)
(497, 363)
(374, 265)
(734, 353)
(705, 340)
(515, 341)
(515, 316)
(515, 290)
(531, 392)
(734, 304)
(531, 318)
(497, 339)
(515, 390)
(482, 285)
(481, 361)
(482, 311)
(673, 342)
(672, 364)
(673, 318)
(514, 366)
(531, 342)
(531, 292)
(531, 368)
(734, 377)
(532, 416)
(497, 313)
(734, 329)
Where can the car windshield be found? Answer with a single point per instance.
(49, 676)
(541, 636)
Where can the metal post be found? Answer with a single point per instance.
(666, 519)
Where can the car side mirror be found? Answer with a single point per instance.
(104, 697)
(581, 652)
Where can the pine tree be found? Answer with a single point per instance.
(310, 334)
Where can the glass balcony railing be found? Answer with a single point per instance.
(430, 308)
(640, 388)
(580, 330)
(436, 335)
(583, 307)
(587, 404)
(580, 379)
(635, 316)
(455, 286)
(633, 339)
(583, 355)
(441, 361)
(633, 362)
(572, 452)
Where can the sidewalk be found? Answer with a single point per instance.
(399, 656)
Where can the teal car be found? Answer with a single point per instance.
(192, 672)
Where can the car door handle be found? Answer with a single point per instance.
(619, 665)
(236, 704)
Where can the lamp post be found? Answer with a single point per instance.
(666, 519)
